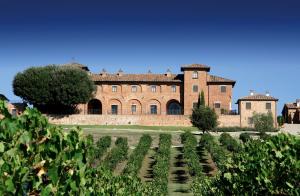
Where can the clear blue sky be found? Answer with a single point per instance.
(256, 42)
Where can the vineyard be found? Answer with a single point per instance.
(37, 158)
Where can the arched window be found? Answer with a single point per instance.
(174, 108)
(94, 107)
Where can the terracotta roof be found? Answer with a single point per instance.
(77, 65)
(291, 106)
(257, 97)
(217, 79)
(195, 66)
(137, 78)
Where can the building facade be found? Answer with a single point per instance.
(291, 112)
(256, 103)
(158, 94)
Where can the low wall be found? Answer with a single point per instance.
(147, 120)
(229, 121)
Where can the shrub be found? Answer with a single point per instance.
(229, 142)
(204, 118)
(263, 122)
(245, 137)
(234, 129)
(280, 120)
(263, 168)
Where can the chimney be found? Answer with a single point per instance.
(103, 72)
(298, 102)
(168, 74)
(120, 72)
(251, 92)
(267, 93)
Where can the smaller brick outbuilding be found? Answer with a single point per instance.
(291, 112)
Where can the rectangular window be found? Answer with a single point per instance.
(248, 105)
(250, 120)
(153, 109)
(195, 75)
(268, 106)
(134, 89)
(217, 105)
(153, 89)
(195, 105)
(114, 109)
(223, 89)
(195, 88)
(114, 88)
(173, 88)
(133, 109)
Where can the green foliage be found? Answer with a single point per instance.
(218, 153)
(280, 120)
(39, 159)
(136, 159)
(229, 142)
(190, 154)
(270, 167)
(263, 122)
(204, 118)
(234, 129)
(201, 99)
(102, 145)
(54, 89)
(245, 137)
(159, 185)
(117, 154)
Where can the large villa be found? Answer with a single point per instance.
(158, 94)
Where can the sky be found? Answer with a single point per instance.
(255, 42)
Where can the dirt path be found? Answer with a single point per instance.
(146, 171)
(209, 167)
(179, 178)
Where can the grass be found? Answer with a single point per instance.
(136, 127)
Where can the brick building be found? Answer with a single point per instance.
(256, 103)
(291, 112)
(157, 94)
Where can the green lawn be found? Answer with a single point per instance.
(137, 127)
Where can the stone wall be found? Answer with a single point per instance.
(147, 120)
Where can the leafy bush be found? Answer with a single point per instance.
(37, 158)
(136, 159)
(54, 89)
(229, 142)
(102, 145)
(159, 185)
(245, 137)
(190, 153)
(264, 136)
(117, 154)
(204, 118)
(263, 122)
(280, 120)
(218, 154)
(268, 167)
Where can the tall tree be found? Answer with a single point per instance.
(203, 117)
(201, 99)
(54, 89)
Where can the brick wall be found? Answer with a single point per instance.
(216, 96)
(148, 120)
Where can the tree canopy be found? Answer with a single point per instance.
(203, 117)
(54, 89)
